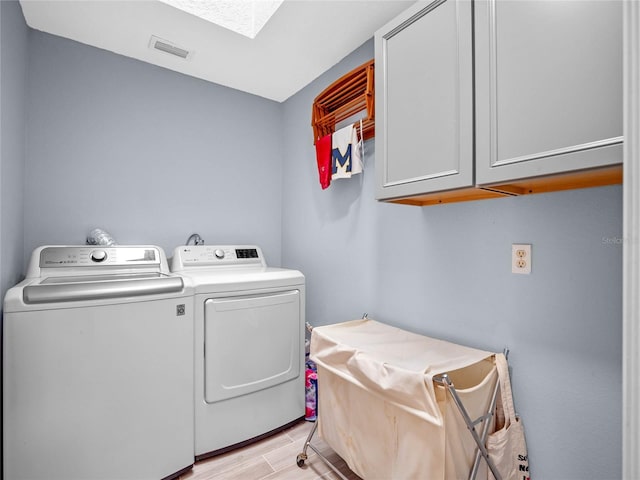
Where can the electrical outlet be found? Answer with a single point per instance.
(521, 258)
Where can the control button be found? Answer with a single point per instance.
(219, 253)
(98, 255)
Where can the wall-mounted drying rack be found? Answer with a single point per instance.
(344, 98)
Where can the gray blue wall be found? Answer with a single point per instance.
(445, 271)
(151, 156)
(13, 93)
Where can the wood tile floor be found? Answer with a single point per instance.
(273, 458)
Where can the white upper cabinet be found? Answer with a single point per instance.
(424, 100)
(548, 87)
(498, 97)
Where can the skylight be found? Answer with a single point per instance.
(246, 17)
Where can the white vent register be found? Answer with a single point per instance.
(171, 48)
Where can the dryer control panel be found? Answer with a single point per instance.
(216, 255)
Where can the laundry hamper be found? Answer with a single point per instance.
(384, 408)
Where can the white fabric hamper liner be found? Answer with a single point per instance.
(380, 409)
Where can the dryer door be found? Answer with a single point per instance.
(251, 343)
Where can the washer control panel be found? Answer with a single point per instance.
(90, 256)
(212, 255)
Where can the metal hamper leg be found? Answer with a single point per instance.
(300, 459)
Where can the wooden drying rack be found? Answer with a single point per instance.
(350, 94)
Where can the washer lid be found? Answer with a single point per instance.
(94, 287)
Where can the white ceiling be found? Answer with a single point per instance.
(302, 40)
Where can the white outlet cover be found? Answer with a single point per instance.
(521, 258)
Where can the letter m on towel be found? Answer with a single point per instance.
(343, 160)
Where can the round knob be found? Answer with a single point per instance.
(219, 253)
(98, 255)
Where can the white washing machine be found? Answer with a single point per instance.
(249, 344)
(98, 367)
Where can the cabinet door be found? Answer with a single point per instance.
(548, 87)
(424, 100)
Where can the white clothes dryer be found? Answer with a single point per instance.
(249, 344)
(98, 367)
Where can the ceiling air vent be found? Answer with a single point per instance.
(168, 47)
